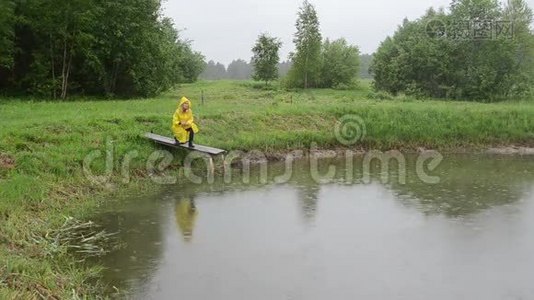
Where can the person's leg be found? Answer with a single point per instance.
(191, 137)
(179, 134)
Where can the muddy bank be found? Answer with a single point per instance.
(256, 157)
(511, 150)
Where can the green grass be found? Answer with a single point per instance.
(43, 144)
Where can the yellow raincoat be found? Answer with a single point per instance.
(179, 130)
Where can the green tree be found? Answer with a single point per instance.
(283, 68)
(214, 71)
(266, 58)
(6, 33)
(95, 47)
(340, 63)
(140, 53)
(458, 62)
(307, 58)
(412, 62)
(192, 64)
(51, 35)
(522, 55)
(384, 67)
(240, 70)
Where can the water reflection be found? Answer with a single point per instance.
(138, 224)
(308, 197)
(186, 214)
(360, 240)
(468, 185)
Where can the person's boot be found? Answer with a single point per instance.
(191, 138)
(176, 141)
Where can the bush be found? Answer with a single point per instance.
(421, 63)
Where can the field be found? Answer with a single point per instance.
(43, 145)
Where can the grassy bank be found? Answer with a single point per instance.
(43, 145)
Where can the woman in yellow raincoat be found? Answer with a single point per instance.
(183, 125)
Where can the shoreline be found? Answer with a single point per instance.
(511, 150)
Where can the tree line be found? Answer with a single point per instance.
(478, 50)
(238, 69)
(315, 63)
(123, 48)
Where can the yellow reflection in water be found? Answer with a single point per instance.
(186, 214)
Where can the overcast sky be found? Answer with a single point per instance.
(226, 30)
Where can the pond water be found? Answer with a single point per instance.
(470, 236)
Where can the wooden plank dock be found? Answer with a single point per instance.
(167, 141)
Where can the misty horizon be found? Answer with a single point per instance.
(224, 31)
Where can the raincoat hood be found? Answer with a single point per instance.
(185, 100)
